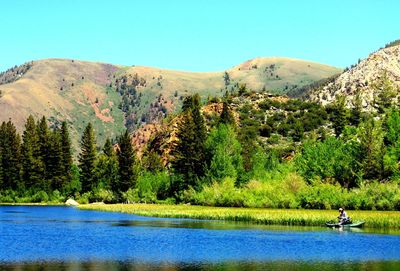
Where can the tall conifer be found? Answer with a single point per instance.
(32, 166)
(10, 148)
(87, 159)
(126, 160)
(66, 153)
(189, 152)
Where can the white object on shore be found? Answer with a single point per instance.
(71, 202)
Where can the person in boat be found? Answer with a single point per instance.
(343, 218)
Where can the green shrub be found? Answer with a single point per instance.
(40, 196)
(131, 196)
(102, 195)
(152, 186)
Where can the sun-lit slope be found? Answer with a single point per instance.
(269, 74)
(80, 91)
(75, 91)
(277, 74)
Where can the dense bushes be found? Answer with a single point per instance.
(295, 193)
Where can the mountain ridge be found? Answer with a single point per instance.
(114, 97)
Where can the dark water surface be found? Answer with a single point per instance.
(65, 238)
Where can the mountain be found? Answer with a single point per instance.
(367, 79)
(113, 97)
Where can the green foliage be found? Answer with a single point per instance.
(74, 186)
(339, 115)
(66, 153)
(372, 149)
(126, 164)
(387, 93)
(152, 161)
(151, 187)
(44, 153)
(10, 149)
(224, 152)
(329, 160)
(87, 159)
(227, 115)
(31, 163)
(189, 152)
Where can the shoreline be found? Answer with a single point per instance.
(285, 217)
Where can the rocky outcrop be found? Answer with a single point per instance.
(71, 202)
(363, 78)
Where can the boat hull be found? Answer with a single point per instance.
(357, 224)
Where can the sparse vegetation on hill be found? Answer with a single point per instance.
(115, 97)
(14, 73)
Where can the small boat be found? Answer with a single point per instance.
(356, 224)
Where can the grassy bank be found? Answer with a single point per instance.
(374, 219)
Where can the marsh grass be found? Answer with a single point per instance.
(293, 217)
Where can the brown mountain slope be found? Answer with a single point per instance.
(114, 97)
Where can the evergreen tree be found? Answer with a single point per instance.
(87, 159)
(152, 162)
(247, 136)
(66, 153)
(340, 115)
(55, 168)
(387, 93)
(189, 152)
(32, 165)
(127, 163)
(392, 141)
(372, 149)
(107, 166)
(356, 111)
(10, 148)
(44, 152)
(108, 148)
(227, 115)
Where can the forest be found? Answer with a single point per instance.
(280, 154)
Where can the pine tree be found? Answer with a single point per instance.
(87, 159)
(189, 152)
(387, 93)
(227, 115)
(44, 152)
(107, 166)
(32, 165)
(340, 115)
(356, 111)
(108, 148)
(126, 162)
(10, 148)
(372, 149)
(66, 153)
(55, 168)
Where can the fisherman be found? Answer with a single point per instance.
(343, 218)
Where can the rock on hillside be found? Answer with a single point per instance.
(362, 78)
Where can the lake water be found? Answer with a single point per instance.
(65, 238)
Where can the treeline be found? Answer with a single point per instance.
(40, 161)
(38, 167)
(221, 161)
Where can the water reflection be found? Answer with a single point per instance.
(165, 266)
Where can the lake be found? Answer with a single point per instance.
(66, 238)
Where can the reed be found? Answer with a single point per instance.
(294, 217)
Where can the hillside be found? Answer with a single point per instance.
(113, 97)
(365, 79)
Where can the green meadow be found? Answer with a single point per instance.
(290, 217)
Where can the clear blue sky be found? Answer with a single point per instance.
(195, 35)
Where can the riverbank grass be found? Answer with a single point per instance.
(294, 217)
